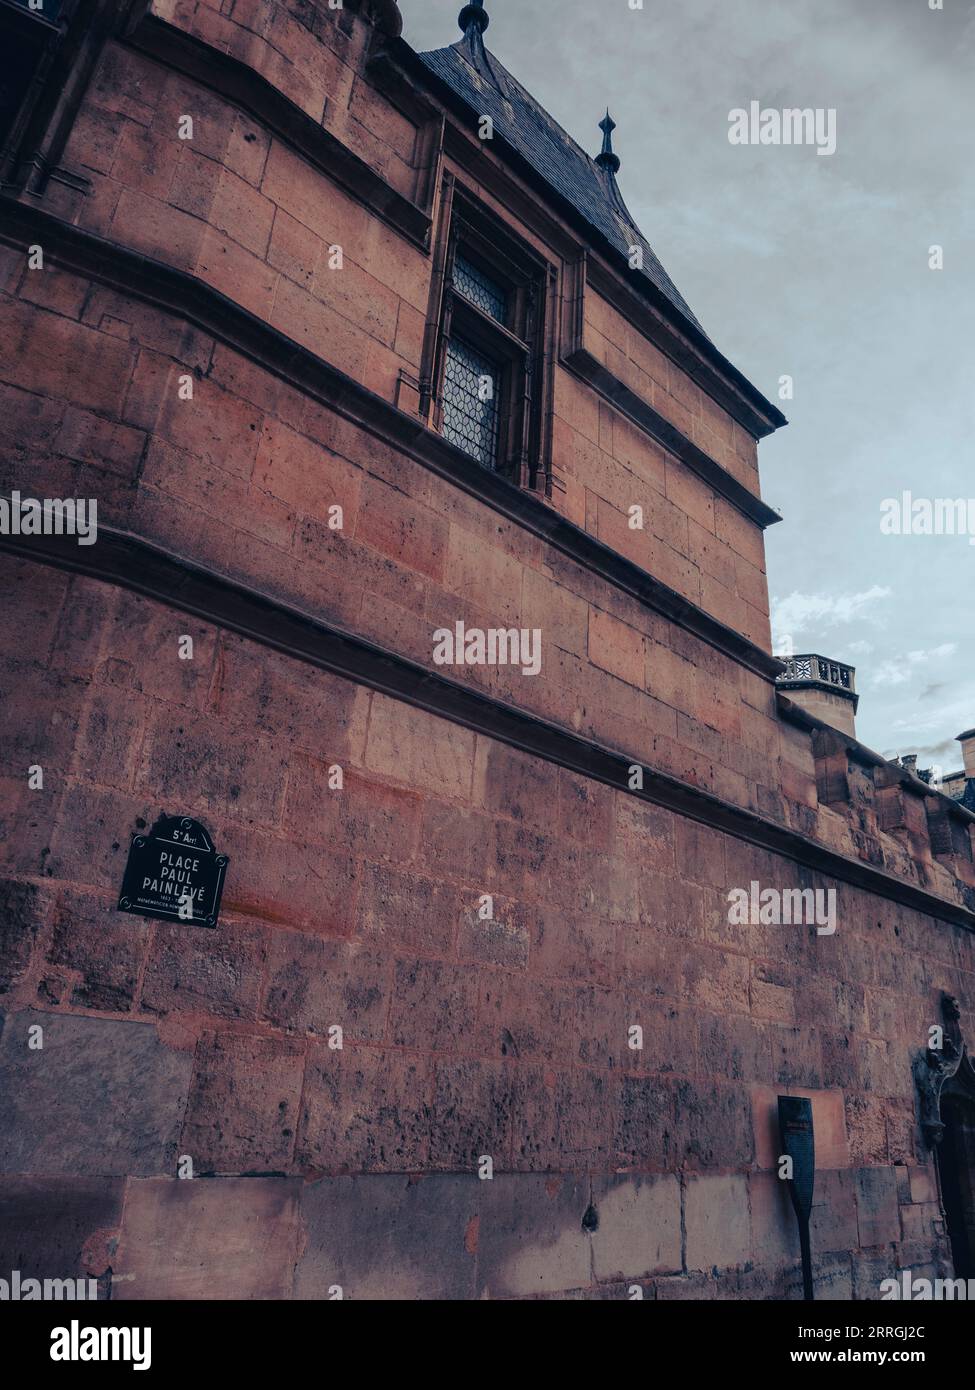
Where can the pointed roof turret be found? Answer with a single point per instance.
(473, 20)
(606, 159)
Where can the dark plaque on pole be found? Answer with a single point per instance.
(796, 1130)
(175, 873)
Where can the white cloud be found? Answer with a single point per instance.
(802, 612)
(903, 669)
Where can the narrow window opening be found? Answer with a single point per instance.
(488, 372)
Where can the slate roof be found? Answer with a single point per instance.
(476, 76)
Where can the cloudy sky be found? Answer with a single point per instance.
(816, 267)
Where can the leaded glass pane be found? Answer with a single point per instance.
(470, 402)
(480, 289)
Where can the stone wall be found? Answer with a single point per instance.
(205, 262)
(462, 1037)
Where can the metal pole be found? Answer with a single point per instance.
(807, 1279)
(796, 1131)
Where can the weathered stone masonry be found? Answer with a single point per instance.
(312, 648)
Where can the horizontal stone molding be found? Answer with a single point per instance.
(695, 355)
(240, 84)
(643, 415)
(183, 295)
(129, 562)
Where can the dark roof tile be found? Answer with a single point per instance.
(477, 77)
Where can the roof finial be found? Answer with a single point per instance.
(473, 17)
(606, 159)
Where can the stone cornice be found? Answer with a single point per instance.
(177, 292)
(601, 379)
(240, 84)
(129, 562)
